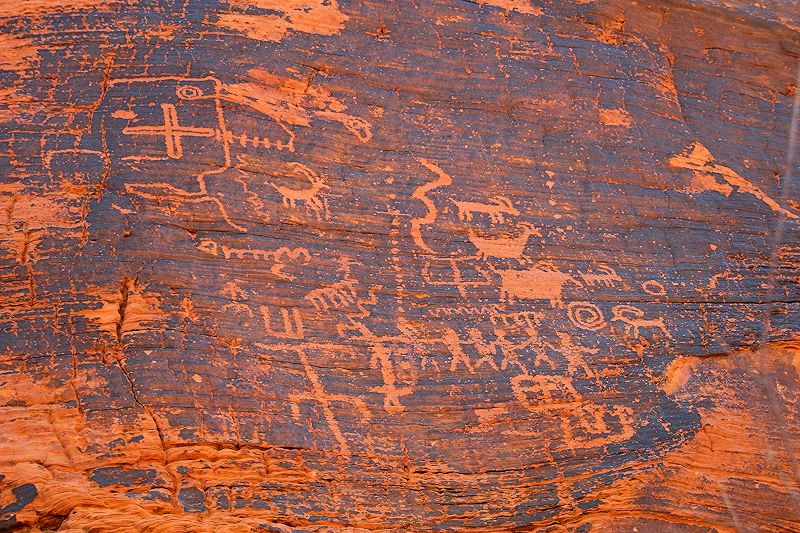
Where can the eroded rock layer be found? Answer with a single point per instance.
(316, 265)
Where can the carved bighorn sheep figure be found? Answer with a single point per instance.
(498, 206)
(309, 195)
(633, 318)
(504, 247)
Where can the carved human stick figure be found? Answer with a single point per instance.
(453, 343)
(318, 392)
(381, 358)
(324, 398)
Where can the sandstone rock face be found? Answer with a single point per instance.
(320, 265)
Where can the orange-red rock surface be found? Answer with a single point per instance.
(320, 265)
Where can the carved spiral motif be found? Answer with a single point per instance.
(586, 315)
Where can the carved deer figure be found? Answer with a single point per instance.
(309, 195)
(633, 318)
(498, 206)
(504, 247)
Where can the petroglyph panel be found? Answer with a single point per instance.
(301, 265)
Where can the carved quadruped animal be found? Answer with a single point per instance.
(607, 277)
(338, 295)
(310, 196)
(541, 282)
(499, 206)
(504, 247)
(634, 320)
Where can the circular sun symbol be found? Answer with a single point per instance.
(189, 92)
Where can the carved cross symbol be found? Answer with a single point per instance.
(172, 131)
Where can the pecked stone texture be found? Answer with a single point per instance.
(320, 265)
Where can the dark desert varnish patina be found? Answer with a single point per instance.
(319, 265)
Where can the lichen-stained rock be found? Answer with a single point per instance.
(317, 265)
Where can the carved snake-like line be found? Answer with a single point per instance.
(420, 194)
